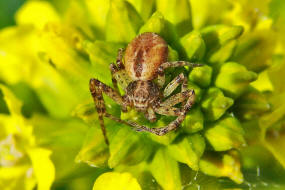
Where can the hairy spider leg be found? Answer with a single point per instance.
(96, 89)
(119, 73)
(165, 108)
(176, 98)
(162, 130)
(173, 85)
(163, 66)
(114, 70)
(150, 114)
(172, 125)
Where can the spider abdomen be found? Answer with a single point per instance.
(144, 55)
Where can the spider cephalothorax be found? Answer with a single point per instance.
(145, 59)
(142, 94)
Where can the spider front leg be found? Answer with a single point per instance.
(174, 124)
(97, 88)
(118, 72)
(150, 114)
(163, 66)
(180, 79)
(165, 108)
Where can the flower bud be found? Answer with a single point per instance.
(218, 35)
(215, 104)
(225, 165)
(157, 24)
(225, 134)
(126, 147)
(198, 91)
(193, 45)
(94, 153)
(143, 7)
(188, 150)
(194, 121)
(201, 76)
(234, 79)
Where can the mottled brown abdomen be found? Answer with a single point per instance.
(144, 55)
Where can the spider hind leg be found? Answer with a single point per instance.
(97, 88)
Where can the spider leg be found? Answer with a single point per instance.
(96, 89)
(173, 85)
(150, 114)
(118, 72)
(177, 98)
(119, 61)
(174, 124)
(168, 111)
(163, 66)
(113, 70)
(177, 64)
(160, 79)
(165, 108)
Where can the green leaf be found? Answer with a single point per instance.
(178, 12)
(234, 79)
(188, 150)
(65, 138)
(276, 115)
(38, 73)
(276, 70)
(225, 134)
(215, 104)
(276, 9)
(248, 50)
(201, 76)
(77, 14)
(123, 22)
(97, 12)
(128, 147)
(115, 180)
(222, 165)
(194, 45)
(94, 151)
(101, 54)
(274, 142)
(43, 167)
(203, 14)
(14, 105)
(165, 170)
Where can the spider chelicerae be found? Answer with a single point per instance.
(145, 60)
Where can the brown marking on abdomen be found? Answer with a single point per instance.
(144, 55)
(138, 63)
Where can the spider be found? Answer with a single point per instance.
(145, 60)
